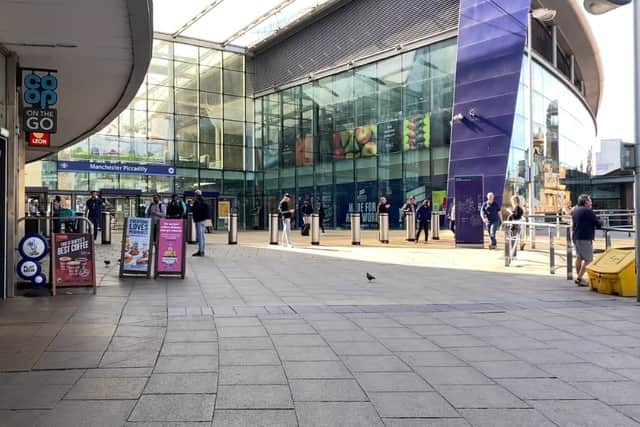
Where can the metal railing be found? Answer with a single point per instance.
(62, 219)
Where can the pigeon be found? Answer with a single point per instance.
(107, 262)
(370, 277)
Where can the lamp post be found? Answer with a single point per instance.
(598, 7)
(542, 15)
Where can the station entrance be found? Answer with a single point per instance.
(121, 204)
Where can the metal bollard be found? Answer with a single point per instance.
(106, 228)
(383, 228)
(355, 229)
(607, 240)
(558, 226)
(507, 245)
(83, 227)
(569, 255)
(315, 229)
(435, 226)
(273, 229)
(552, 253)
(233, 229)
(191, 230)
(410, 226)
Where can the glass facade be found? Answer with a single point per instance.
(346, 139)
(562, 135)
(343, 140)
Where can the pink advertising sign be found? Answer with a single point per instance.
(171, 247)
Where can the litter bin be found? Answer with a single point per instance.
(614, 272)
(435, 226)
(233, 229)
(410, 226)
(273, 229)
(383, 228)
(83, 226)
(192, 234)
(106, 228)
(315, 229)
(355, 228)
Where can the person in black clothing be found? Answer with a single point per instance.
(175, 209)
(492, 218)
(383, 206)
(307, 210)
(423, 216)
(200, 211)
(94, 211)
(515, 214)
(321, 215)
(287, 214)
(584, 224)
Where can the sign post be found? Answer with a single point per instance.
(137, 250)
(170, 256)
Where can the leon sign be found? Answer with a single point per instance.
(39, 139)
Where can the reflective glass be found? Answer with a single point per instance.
(211, 104)
(186, 101)
(186, 75)
(210, 79)
(233, 83)
(233, 108)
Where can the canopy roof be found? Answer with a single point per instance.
(243, 23)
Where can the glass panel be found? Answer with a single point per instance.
(161, 126)
(186, 101)
(187, 153)
(186, 180)
(233, 108)
(210, 57)
(233, 83)
(131, 182)
(133, 123)
(185, 53)
(210, 156)
(187, 128)
(210, 79)
(233, 61)
(210, 130)
(186, 75)
(211, 104)
(160, 72)
(211, 180)
(73, 181)
(162, 49)
(160, 98)
(160, 184)
(233, 157)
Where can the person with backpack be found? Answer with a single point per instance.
(175, 208)
(307, 210)
(156, 209)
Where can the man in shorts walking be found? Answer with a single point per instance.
(584, 224)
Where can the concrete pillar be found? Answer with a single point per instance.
(572, 58)
(554, 35)
(15, 175)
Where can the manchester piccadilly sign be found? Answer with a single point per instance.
(117, 167)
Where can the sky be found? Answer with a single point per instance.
(614, 35)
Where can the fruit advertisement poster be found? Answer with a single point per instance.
(357, 143)
(170, 254)
(136, 246)
(73, 260)
(416, 133)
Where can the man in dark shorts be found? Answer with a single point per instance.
(492, 218)
(584, 224)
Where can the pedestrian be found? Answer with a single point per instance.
(94, 211)
(55, 212)
(383, 206)
(307, 211)
(423, 216)
(492, 218)
(321, 215)
(286, 212)
(175, 208)
(410, 206)
(584, 224)
(452, 217)
(200, 210)
(156, 209)
(515, 214)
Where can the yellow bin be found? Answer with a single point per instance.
(614, 272)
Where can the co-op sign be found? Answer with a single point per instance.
(40, 92)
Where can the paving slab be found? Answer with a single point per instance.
(107, 389)
(337, 414)
(316, 370)
(252, 375)
(506, 418)
(375, 363)
(254, 397)
(68, 360)
(326, 391)
(452, 375)
(189, 349)
(183, 383)
(541, 389)
(255, 418)
(589, 413)
(391, 381)
(480, 396)
(87, 413)
(167, 407)
(412, 405)
(613, 393)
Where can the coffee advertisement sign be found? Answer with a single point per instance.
(73, 260)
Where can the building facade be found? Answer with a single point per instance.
(341, 115)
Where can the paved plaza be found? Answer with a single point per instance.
(264, 336)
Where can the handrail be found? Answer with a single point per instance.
(53, 218)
